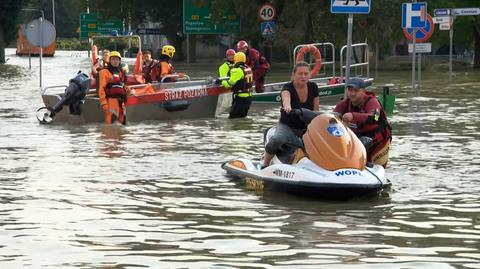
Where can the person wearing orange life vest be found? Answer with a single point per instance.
(224, 69)
(240, 81)
(111, 91)
(164, 66)
(148, 66)
(257, 62)
(366, 117)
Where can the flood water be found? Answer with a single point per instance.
(153, 195)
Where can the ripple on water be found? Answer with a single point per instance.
(153, 194)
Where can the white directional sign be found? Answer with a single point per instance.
(444, 26)
(414, 15)
(438, 12)
(350, 6)
(466, 11)
(420, 48)
(438, 20)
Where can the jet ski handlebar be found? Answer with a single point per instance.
(306, 115)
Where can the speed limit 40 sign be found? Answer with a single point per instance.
(266, 12)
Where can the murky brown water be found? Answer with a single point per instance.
(154, 195)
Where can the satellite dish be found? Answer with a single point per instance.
(40, 33)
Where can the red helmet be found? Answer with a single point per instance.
(242, 44)
(230, 52)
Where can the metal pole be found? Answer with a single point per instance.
(41, 49)
(376, 60)
(450, 67)
(53, 11)
(349, 50)
(419, 70)
(188, 48)
(29, 56)
(414, 33)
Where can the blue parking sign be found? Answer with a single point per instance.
(414, 15)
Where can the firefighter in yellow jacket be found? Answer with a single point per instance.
(240, 81)
(111, 91)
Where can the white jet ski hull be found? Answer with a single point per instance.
(307, 179)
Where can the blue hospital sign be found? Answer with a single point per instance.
(414, 15)
(350, 6)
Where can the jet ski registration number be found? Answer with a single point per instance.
(285, 174)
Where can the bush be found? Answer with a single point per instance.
(71, 44)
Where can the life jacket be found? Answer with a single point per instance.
(116, 86)
(243, 87)
(376, 127)
(253, 56)
(103, 65)
(159, 71)
(230, 66)
(147, 70)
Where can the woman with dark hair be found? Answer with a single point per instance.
(299, 93)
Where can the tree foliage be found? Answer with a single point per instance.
(298, 21)
(9, 12)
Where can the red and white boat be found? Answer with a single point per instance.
(184, 99)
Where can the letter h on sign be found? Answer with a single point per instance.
(414, 15)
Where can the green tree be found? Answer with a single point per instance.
(466, 28)
(9, 12)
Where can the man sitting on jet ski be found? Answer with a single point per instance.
(365, 116)
(300, 93)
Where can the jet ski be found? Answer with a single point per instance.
(328, 163)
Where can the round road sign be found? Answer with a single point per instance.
(422, 34)
(266, 12)
(40, 34)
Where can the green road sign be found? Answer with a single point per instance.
(197, 19)
(90, 26)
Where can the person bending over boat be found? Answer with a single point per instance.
(111, 91)
(164, 66)
(299, 93)
(224, 69)
(240, 82)
(147, 67)
(366, 117)
(101, 63)
(257, 62)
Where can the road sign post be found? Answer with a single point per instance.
(414, 19)
(350, 8)
(450, 51)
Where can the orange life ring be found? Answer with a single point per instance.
(315, 52)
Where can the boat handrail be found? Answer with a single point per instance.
(175, 76)
(44, 90)
(360, 64)
(323, 45)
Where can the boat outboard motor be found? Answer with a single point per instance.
(74, 94)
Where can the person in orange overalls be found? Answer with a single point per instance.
(111, 92)
(164, 66)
